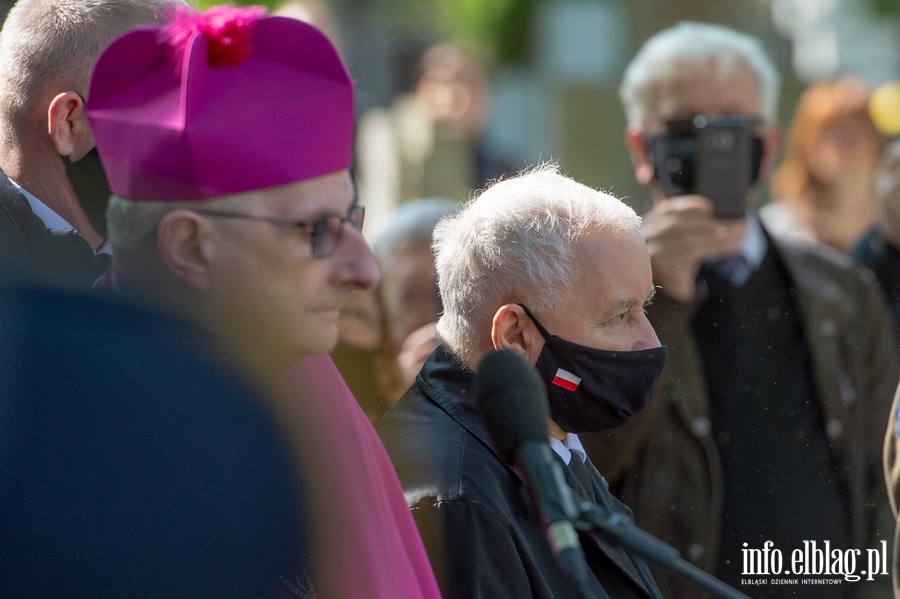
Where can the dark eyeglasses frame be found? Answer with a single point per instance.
(326, 232)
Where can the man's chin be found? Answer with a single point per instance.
(322, 340)
(314, 335)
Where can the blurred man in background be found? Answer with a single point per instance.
(409, 291)
(428, 143)
(782, 363)
(387, 334)
(879, 249)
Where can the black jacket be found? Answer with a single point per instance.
(477, 529)
(29, 250)
(884, 260)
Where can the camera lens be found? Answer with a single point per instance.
(674, 165)
(722, 141)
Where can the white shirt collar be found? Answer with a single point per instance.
(753, 246)
(565, 448)
(48, 216)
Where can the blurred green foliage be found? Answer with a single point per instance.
(501, 29)
(886, 7)
(270, 4)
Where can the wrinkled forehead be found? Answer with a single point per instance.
(711, 86)
(310, 198)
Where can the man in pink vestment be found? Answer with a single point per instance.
(227, 138)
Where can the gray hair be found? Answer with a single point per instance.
(413, 222)
(130, 222)
(666, 53)
(514, 242)
(48, 43)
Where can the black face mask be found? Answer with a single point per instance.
(592, 390)
(91, 188)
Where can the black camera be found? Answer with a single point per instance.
(716, 157)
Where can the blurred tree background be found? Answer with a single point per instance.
(886, 7)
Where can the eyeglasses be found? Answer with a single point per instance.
(325, 232)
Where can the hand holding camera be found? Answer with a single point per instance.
(718, 158)
(681, 234)
(706, 167)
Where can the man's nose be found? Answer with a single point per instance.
(356, 265)
(647, 338)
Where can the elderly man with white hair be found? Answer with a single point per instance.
(766, 423)
(409, 294)
(559, 274)
(227, 138)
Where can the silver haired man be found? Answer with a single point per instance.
(558, 273)
(252, 231)
(782, 365)
(53, 191)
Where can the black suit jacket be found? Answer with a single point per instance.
(884, 260)
(28, 250)
(478, 531)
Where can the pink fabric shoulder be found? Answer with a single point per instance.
(366, 542)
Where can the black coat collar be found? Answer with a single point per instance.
(452, 386)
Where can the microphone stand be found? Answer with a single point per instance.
(615, 529)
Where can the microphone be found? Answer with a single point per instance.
(513, 403)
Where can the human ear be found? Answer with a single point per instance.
(68, 126)
(183, 243)
(640, 155)
(512, 329)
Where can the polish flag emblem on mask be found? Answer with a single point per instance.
(566, 380)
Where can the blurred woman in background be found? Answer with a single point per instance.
(823, 191)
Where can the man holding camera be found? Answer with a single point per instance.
(766, 424)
